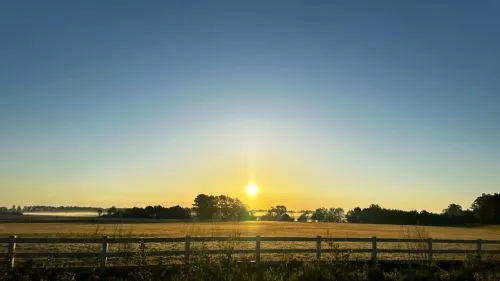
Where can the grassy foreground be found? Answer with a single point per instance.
(227, 267)
(224, 268)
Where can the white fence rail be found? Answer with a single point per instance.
(374, 250)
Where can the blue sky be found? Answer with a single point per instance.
(327, 103)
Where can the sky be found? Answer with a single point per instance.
(319, 103)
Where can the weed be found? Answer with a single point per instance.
(417, 251)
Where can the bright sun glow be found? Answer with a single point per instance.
(252, 189)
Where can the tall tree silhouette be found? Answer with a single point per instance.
(453, 210)
(487, 208)
(205, 206)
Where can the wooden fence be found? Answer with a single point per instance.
(426, 252)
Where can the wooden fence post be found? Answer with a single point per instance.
(374, 250)
(257, 250)
(429, 248)
(104, 251)
(318, 247)
(12, 250)
(479, 247)
(187, 249)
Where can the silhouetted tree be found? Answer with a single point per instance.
(58, 209)
(453, 210)
(354, 215)
(319, 214)
(335, 215)
(377, 214)
(277, 213)
(151, 211)
(303, 217)
(220, 207)
(156, 212)
(112, 211)
(205, 206)
(286, 217)
(134, 212)
(230, 208)
(328, 215)
(487, 208)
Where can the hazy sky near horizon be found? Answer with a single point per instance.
(323, 103)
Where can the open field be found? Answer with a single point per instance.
(240, 228)
(265, 229)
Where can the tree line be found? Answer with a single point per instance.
(277, 213)
(25, 209)
(152, 212)
(376, 214)
(205, 207)
(484, 210)
(323, 215)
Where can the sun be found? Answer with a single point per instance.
(252, 189)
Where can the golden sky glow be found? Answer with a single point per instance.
(334, 105)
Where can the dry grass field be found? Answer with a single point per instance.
(240, 228)
(248, 229)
